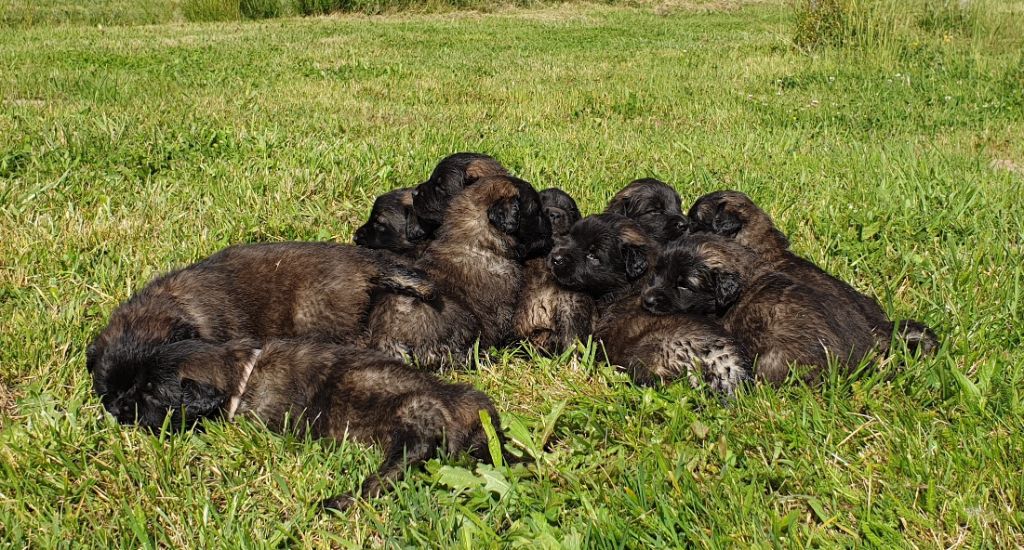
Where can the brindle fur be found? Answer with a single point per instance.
(332, 391)
(733, 214)
(550, 317)
(781, 320)
(392, 225)
(476, 261)
(260, 291)
(654, 205)
(453, 174)
(608, 256)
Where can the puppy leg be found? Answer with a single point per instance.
(918, 337)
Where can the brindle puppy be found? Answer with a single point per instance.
(453, 174)
(549, 316)
(607, 256)
(476, 262)
(732, 214)
(780, 319)
(330, 391)
(257, 291)
(654, 205)
(392, 225)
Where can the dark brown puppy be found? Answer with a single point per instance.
(781, 320)
(734, 215)
(257, 291)
(550, 317)
(453, 174)
(328, 391)
(476, 261)
(607, 256)
(392, 225)
(654, 205)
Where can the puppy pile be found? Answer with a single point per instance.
(332, 340)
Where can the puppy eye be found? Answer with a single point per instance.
(682, 284)
(593, 258)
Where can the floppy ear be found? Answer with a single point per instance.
(727, 288)
(636, 261)
(201, 399)
(725, 223)
(505, 215)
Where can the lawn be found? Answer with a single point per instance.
(128, 150)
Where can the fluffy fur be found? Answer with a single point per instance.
(257, 291)
(608, 256)
(453, 174)
(476, 261)
(392, 225)
(734, 215)
(654, 205)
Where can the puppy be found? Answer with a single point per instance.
(607, 256)
(392, 225)
(476, 262)
(326, 390)
(780, 319)
(654, 205)
(259, 291)
(549, 316)
(453, 174)
(732, 214)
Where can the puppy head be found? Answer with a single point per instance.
(126, 367)
(654, 205)
(560, 209)
(732, 214)
(392, 225)
(453, 174)
(501, 213)
(701, 274)
(601, 253)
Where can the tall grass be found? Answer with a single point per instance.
(889, 23)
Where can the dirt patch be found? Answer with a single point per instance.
(1007, 165)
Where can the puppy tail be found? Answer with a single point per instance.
(918, 337)
(407, 280)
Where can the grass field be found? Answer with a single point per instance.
(125, 151)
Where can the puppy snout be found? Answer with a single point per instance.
(650, 300)
(558, 260)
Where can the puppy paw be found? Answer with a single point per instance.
(338, 503)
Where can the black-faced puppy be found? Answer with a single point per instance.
(261, 291)
(549, 316)
(734, 215)
(781, 320)
(608, 256)
(329, 391)
(392, 225)
(654, 205)
(476, 262)
(453, 174)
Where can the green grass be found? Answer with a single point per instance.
(129, 150)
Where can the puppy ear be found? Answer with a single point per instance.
(725, 223)
(201, 399)
(727, 288)
(505, 215)
(636, 261)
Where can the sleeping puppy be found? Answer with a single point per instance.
(260, 291)
(392, 225)
(329, 391)
(476, 262)
(453, 174)
(654, 205)
(780, 319)
(550, 317)
(607, 256)
(732, 214)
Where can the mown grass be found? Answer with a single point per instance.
(128, 151)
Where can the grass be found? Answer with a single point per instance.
(130, 150)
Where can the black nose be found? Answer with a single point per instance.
(558, 259)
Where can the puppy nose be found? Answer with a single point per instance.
(558, 259)
(650, 300)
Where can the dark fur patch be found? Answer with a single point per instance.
(392, 224)
(654, 205)
(453, 174)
